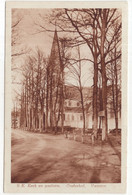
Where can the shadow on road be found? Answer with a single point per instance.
(114, 148)
(95, 177)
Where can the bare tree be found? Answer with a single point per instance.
(114, 74)
(75, 69)
(17, 49)
(34, 85)
(101, 21)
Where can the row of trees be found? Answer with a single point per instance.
(42, 102)
(32, 97)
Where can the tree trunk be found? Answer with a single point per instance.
(116, 85)
(47, 101)
(95, 84)
(51, 104)
(62, 104)
(83, 111)
(95, 97)
(104, 80)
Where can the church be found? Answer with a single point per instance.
(65, 105)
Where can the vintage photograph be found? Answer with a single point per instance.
(66, 95)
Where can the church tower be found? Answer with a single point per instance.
(55, 83)
(55, 56)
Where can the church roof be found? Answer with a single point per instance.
(55, 58)
(73, 109)
(72, 92)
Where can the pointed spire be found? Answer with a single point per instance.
(55, 52)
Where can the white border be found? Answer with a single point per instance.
(129, 164)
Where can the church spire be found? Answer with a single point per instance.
(55, 52)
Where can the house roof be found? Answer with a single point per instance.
(72, 92)
(73, 109)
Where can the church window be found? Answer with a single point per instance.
(78, 104)
(69, 103)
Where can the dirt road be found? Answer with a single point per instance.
(45, 158)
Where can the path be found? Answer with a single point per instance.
(45, 158)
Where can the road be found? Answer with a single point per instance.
(46, 158)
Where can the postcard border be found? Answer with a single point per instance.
(89, 188)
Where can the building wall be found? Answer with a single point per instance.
(73, 119)
(111, 121)
(73, 116)
(89, 122)
(76, 120)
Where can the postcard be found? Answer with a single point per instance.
(66, 97)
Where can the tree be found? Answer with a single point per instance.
(34, 92)
(114, 76)
(101, 21)
(17, 49)
(108, 19)
(76, 71)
